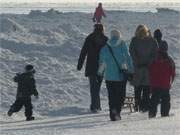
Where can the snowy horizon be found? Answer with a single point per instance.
(51, 41)
(91, 1)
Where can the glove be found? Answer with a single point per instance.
(79, 67)
(99, 78)
(94, 20)
(37, 97)
(130, 76)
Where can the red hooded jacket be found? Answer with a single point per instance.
(98, 14)
(162, 72)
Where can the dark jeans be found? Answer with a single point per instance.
(116, 95)
(142, 98)
(95, 85)
(159, 96)
(19, 103)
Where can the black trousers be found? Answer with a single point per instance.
(19, 103)
(116, 95)
(159, 96)
(142, 98)
(95, 85)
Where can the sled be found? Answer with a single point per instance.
(129, 103)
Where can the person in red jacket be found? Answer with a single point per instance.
(98, 14)
(161, 73)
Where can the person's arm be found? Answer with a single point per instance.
(133, 53)
(94, 16)
(128, 59)
(173, 68)
(173, 73)
(17, 77)
(83, 54)
(101, 68)
(154, 51)
(103, 13)
(35, 92)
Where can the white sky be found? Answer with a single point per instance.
(90, 1)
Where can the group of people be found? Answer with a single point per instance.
(146, 64)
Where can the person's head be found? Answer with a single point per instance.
(157, 34)
(29, 68)
(98, 28)
(115, 34)
(99, 4)
(142, 31)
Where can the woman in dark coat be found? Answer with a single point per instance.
(143, 49)
(91, 49)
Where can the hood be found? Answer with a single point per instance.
(114, 42)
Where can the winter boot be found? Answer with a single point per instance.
(30, 118)
(9, 113)
(114, 116)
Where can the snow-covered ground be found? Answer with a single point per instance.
(51, 41)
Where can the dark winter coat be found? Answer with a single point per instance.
(162, 73)
(143, 52)
(163, 46)
(26, 85)
(92, 46)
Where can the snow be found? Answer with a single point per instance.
(51, 41)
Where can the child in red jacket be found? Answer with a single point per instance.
(162, 73)
(98, 14)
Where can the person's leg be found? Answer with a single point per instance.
(165, 103)
(16, 107)
(95, 84)
(119, 96)
(28, 108)
(123, 91)
(154, 101)
(137, 92)
(145, 98)
(111, 97)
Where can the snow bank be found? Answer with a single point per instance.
(8, 25)
(51, 41)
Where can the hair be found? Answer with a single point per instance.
(142, 31)
(115, 33)
(98, 28)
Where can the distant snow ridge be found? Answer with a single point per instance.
(50, 13)
(50, 36)
(166, 10)
(9, 25)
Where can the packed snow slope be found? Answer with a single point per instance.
(51, 41)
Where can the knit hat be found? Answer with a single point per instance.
(157, 34)
(29, 68)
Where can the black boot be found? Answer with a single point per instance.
(30, 118)
(9, 113)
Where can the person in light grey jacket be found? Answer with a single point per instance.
(143, 50)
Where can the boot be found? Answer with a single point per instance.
(9, 113)
(30, 118)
